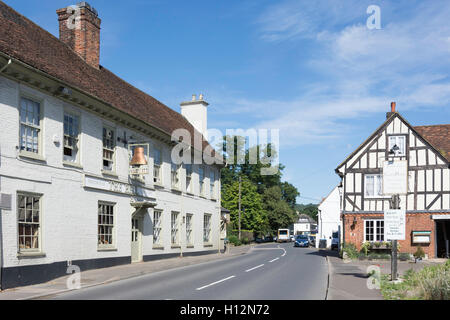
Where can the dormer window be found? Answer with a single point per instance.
(397, 146)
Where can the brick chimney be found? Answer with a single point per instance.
(79, 28)
(393, 110)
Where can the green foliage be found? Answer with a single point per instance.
(350, 250)
(234, 240)
(404, 256)
(289, 194)
(430, 283)
(253, 216)
(365, 248)
(308, 209)
(281, 215)
(247, 236)
(419, 254)
(268, 202)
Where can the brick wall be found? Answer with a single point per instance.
(354, 233)
(84, 39)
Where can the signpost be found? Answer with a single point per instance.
(395, 183)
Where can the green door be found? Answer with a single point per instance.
(136, 246)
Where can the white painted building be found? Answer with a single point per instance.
(67, 196)
(305, 225)
(329, 217)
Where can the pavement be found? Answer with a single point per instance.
(348, 280)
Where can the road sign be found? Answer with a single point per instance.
(394, 224)
(395, 177)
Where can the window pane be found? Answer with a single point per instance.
(370, 185)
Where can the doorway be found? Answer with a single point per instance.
(442, 238)
(136, 238)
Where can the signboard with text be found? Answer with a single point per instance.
(394, 224)
(395, 177)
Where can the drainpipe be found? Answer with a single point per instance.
(6, 66)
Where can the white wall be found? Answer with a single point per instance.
(329, 217)
(69, 210)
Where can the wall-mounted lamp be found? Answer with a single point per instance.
(394, 150)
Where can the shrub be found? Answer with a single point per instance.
(350, 250)
(365, 247)
(419, 254)
(404, 256)
(245, 241)
(378, 244)
(234, 240)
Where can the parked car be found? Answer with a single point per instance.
(312, 241)
(335, 241)
(301, 241)
(292, 237)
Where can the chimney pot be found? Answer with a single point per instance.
(393, 104)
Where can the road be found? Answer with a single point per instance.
(267, 272)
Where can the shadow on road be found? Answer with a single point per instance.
(325, 253)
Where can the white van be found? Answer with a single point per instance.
(283, 235)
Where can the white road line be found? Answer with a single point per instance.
(254, 268)
(211, 284)
(274, 260)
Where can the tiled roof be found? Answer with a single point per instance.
(438, 136)
(304, 218)
(23, 40)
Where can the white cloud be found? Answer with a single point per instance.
(362, 70)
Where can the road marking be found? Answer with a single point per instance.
(274, 260)
(211, 284)
(254, 268)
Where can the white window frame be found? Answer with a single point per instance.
(31, 126)
(391, 144)
(377, 185)
(207, 228)
(157, 227)
(39, 234)
(100, 222)
(201, 180)
(175, 228)
(106, 148)
(72, 159)
(377, 237)
(157, 165)
(188, 177)
(175, 175)
(212, 184)
(189, 229)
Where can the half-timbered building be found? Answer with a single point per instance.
(427, 201)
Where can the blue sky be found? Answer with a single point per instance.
(309, 68)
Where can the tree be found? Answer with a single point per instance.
(280, 214)
(308, 209)
(253, 216)
(290, 194)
